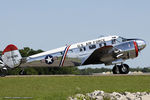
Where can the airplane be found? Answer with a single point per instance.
(110, 50)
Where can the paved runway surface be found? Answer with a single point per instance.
(133, 74)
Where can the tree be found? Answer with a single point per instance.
(26, 51)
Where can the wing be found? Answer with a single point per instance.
(52, 58)
(99, 55)
(106, 55)
(55, 52)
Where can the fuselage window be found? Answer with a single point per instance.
(92, 46)
(100, 45)
(70, 50)
(61, 53)
(82, 49)
(104, 43)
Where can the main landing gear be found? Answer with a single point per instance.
(3, 72)
(121, 69)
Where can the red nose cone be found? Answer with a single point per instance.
(9, 48)
(136, 48)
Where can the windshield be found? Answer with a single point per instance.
(121, 39)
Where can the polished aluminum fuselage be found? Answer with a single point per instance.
(108, 50)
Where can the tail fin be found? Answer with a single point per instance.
(11, 56)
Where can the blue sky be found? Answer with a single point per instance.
(47, 24)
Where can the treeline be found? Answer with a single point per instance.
(57, 71)
(66, 71)
(144, 70)
(26, 51)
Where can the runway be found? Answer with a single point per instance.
(132, 74)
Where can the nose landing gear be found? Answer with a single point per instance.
(121, 69)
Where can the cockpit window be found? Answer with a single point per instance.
(121, 39)
(113, 41)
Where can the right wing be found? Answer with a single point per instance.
(97, 55)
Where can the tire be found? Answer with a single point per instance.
(116, 70)
(124, 69)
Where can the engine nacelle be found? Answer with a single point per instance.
(128, 50)
(11, 56)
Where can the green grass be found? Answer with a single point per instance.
(60, 87)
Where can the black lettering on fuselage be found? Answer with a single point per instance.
(90, 43)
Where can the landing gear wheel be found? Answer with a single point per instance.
(3, 72)
(116, 69)
(124, 69)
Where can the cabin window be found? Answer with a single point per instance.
(70, 50)
(61, 53)
(100, 45)
(104, 43)
(82, 49)
(92, 46)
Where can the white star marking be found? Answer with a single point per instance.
(49, 60)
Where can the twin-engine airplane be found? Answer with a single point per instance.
(111, 50)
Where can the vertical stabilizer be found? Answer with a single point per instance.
(11, 56)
